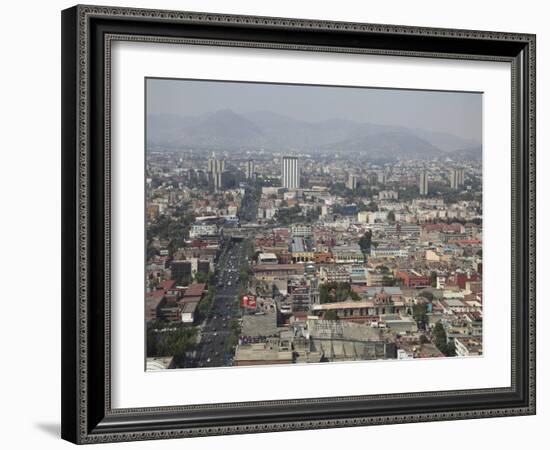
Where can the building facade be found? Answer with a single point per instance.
(457, 178)
(423, 183)
(290, 172)
(250, 169)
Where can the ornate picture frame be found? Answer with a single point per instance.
(87, 35)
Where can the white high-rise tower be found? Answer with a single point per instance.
(290, 172)
(457, 178)
(423, 183)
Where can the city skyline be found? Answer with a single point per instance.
(367, 245)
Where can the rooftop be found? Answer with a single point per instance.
(298, 245)
(194, 290)
(159, 363)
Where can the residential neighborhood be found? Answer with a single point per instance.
(264, 257)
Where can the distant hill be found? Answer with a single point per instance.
(223, 128)
(445, 141)
(466, 154)
(391, 144)
(230, 131)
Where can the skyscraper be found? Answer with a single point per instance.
(290, 172)
(216, 171)
(351, 183)
(457, 178)
(250, 169)
(423, 183)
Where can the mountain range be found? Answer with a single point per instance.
(228, 130)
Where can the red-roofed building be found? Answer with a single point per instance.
(442, 227)
(460, 279)
(194, 290)
(411, 278)
(467, 242)
(154, 301)
(166, 285)
(300, 316)
(193, 293)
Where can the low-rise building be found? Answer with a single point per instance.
(466, 346)
(267, 258)
(346, 254)
(272, 351)
(389, 252)
(160, 363)
(271, 271)
(203, 229)
(188, 312)
(301, 231)
(411, 278)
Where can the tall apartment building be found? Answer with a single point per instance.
(217, 172)
(181, 270)
(290, 172)
(250, 169)
(351, 183)
(423, 183)
(457, 178)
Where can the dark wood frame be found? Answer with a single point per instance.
(87, 32)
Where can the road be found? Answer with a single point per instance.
(212, 350)
(216, 329)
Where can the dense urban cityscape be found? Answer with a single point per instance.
(261, 257)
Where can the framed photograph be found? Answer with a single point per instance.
(281, 224)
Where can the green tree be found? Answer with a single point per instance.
(204, 304)
(153, 282)
(336, 292)
(176, 341)
(365, 241)
(419, 312)
(234, 325)
(427, 295)
(202, 277)
(231, 342)
(233, 338)
(151, 342)
(447, 348)
(244, 275)
(151, 251)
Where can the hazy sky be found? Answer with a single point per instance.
(458, 113)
